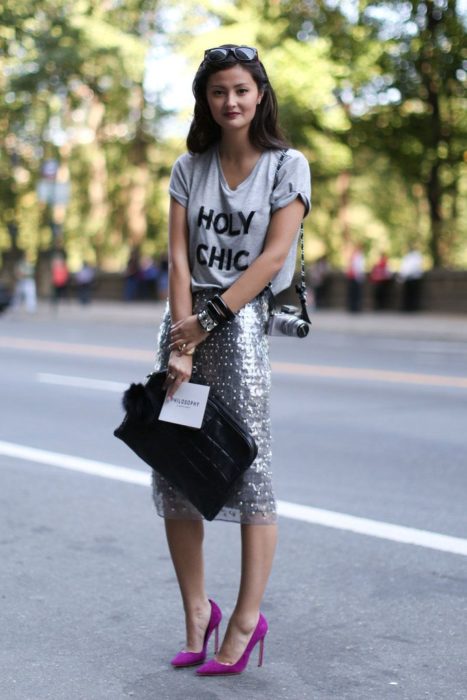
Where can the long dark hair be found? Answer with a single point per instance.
(204, 132)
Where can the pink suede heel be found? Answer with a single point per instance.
(215, 668)
(193, 658)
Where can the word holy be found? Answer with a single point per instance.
(231, 224)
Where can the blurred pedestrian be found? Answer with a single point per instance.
(355, 278)
(5, 296)
(163, 278)
(132, 290)
(25, 285)
(148, 277)
(380, 277)
(410, 274)
(318, 276)
(84, 280)
(60, 276)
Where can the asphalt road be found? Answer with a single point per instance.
(369, 421)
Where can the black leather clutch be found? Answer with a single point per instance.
(203, 463)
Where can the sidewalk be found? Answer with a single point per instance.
(417, 326)
(428, 326)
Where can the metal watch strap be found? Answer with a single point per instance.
(206, 321)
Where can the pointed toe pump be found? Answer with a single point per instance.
(215, 668)
(193, 658)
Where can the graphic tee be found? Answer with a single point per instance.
(227, 227)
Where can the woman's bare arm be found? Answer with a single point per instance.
(180, 299)
(279, 238)
(180, 366)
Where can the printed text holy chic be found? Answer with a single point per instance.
(230, 224)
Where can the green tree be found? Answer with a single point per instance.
(72, 90)
(423, 130)
(305, 78)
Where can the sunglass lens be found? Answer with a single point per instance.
(218, 54)
(245, 53)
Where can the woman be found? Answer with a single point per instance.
(233, 227)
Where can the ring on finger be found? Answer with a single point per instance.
(182, 347)
(171, 376)
(190, 352)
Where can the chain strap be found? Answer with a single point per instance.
(299, 288)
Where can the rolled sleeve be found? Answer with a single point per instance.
(294, 180)
(179, 186)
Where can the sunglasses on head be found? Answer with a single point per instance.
(241, 53)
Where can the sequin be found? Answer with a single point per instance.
(234, 362)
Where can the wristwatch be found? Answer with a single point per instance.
(206, 321)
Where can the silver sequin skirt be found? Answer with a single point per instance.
(234, 362)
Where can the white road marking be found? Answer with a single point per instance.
(374, 528)
(307, 514)
(82, 382)
(77, 464)
(289, 368)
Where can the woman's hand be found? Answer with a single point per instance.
(179, 369)
(186, 335)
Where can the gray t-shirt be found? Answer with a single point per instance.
(227, 228)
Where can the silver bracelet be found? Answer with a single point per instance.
(206, 321)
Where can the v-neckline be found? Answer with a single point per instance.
(243, 182)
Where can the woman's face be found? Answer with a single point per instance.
(232, 96)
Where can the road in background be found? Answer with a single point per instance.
(369, 421)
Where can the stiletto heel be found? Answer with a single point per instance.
(193, 658)
(216, 668)
(261, 652)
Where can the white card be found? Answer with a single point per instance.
(187, 406)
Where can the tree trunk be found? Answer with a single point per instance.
(436, 221)
(343, 187)
(99, 206)
(431, 81)
(139, 178)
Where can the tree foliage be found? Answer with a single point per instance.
(373, 92)
(73, 92)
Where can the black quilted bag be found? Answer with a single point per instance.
(203, 463)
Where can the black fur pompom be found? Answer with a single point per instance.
(137, 404)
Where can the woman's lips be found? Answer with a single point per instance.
(232, 114)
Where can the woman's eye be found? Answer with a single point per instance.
(242, 91)
(217, 93)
